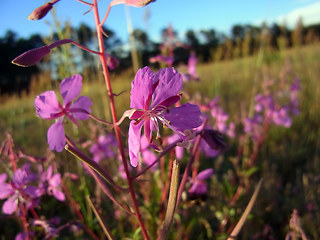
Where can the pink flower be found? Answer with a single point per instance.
(17, 190)
(104, 147)
(199, 186)
(192, 73)
(162, 59)
(48, 107)
(51, 183)
(151, 97)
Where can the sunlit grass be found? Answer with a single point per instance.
(288, 157)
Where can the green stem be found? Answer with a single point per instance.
(246, 212)
(172, 200)
(96, 176)
(92, 164)
(103, 225)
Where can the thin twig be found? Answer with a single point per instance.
(246, 212)
(164, 152)
(86, 3)
(103, 225)
(188, 168)
(92, 164)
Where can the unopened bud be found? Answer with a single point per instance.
(112, 62)
(133, 3)
(214, 139)
(42, 11)
(138, 3)
(31, 57)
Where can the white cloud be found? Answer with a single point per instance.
(310, 14)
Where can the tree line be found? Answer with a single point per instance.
(209, 45)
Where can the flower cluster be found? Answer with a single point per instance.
(104, 147)
(268, 110)
(20, 190)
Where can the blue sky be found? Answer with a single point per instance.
(182, 14)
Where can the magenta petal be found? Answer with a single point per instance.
(141, 87)
(185, 117)
(70, 88)
(3, 178)
(55, 181)
(137, 114)
(5, 190)
(205, 174)
(33, 191)
(10, 205)
(81, 108)
(56, 136)
(148, 130)
(134, 142)
(170, 84)
(149, 157)
(198, 188)
(58, 195)
(21, 236)
(49, 172)
(47, 104)
(19, 177)
(209, 151)
(169, 101)
(179, 150)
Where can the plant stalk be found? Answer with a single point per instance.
(172, 200)
(114, 116)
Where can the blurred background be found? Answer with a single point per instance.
(241, 47)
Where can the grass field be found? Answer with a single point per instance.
(288, 161)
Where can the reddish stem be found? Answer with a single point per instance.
(114, 116)
(255, 152)
(196, 165)
(86, 3)
(65, 41)
(24, 220)
(11, 153)
(188, 168)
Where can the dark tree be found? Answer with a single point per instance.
(15, 79)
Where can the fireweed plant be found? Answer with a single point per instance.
(161, 128)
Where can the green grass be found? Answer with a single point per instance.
(288, 159)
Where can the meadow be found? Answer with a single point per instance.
(287, 160)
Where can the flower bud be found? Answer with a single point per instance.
(138, 3)
(133, 3)
(214, 139)
(31, 57)
(112, 62)
(42, 11)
